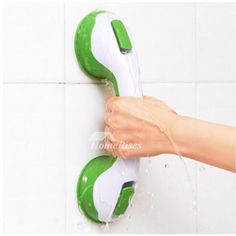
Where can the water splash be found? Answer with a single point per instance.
(162, 127)
(202, 168)
(105, 227)
(148, 167)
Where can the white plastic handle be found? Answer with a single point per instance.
(125, 68)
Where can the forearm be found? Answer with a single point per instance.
(157, 129)
(210, 143)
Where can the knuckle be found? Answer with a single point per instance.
(110, 102)
(115, 123)
(108, 119)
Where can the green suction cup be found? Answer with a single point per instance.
(86, 182)
(84, 54)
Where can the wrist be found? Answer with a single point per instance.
(181, 135)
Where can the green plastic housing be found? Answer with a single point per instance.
(87, 61)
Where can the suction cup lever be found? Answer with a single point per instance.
(122, 36)
(124, 199)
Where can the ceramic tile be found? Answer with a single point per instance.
(33, 42)
(84, 117)
(216, 102)
(216, 200)
(180, 97)
(216, 37)
(34, 197)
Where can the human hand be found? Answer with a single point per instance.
(138, 127)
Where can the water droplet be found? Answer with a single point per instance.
(163, 128)
(128, 217)
(149, 160)
(79, 225)
(202, 168)
(147, 169)
(105, 227)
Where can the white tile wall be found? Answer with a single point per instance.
(187, 58)
(33, 42)
(168, 92)
(216, 36)
(216, 102)
(81, 112)
(34, 195)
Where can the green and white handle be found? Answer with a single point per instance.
(104, 50)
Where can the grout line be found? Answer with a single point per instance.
(142, 82)
(64, 120)
(195, 110)
(190, 82)
(64, 143)
(48, 83)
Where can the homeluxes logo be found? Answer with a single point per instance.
(98, 141)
